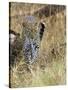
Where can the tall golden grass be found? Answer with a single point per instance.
(50, 66)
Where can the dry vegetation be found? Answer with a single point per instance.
(50, 68)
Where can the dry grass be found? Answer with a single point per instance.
(27, 76)
(50, 68)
